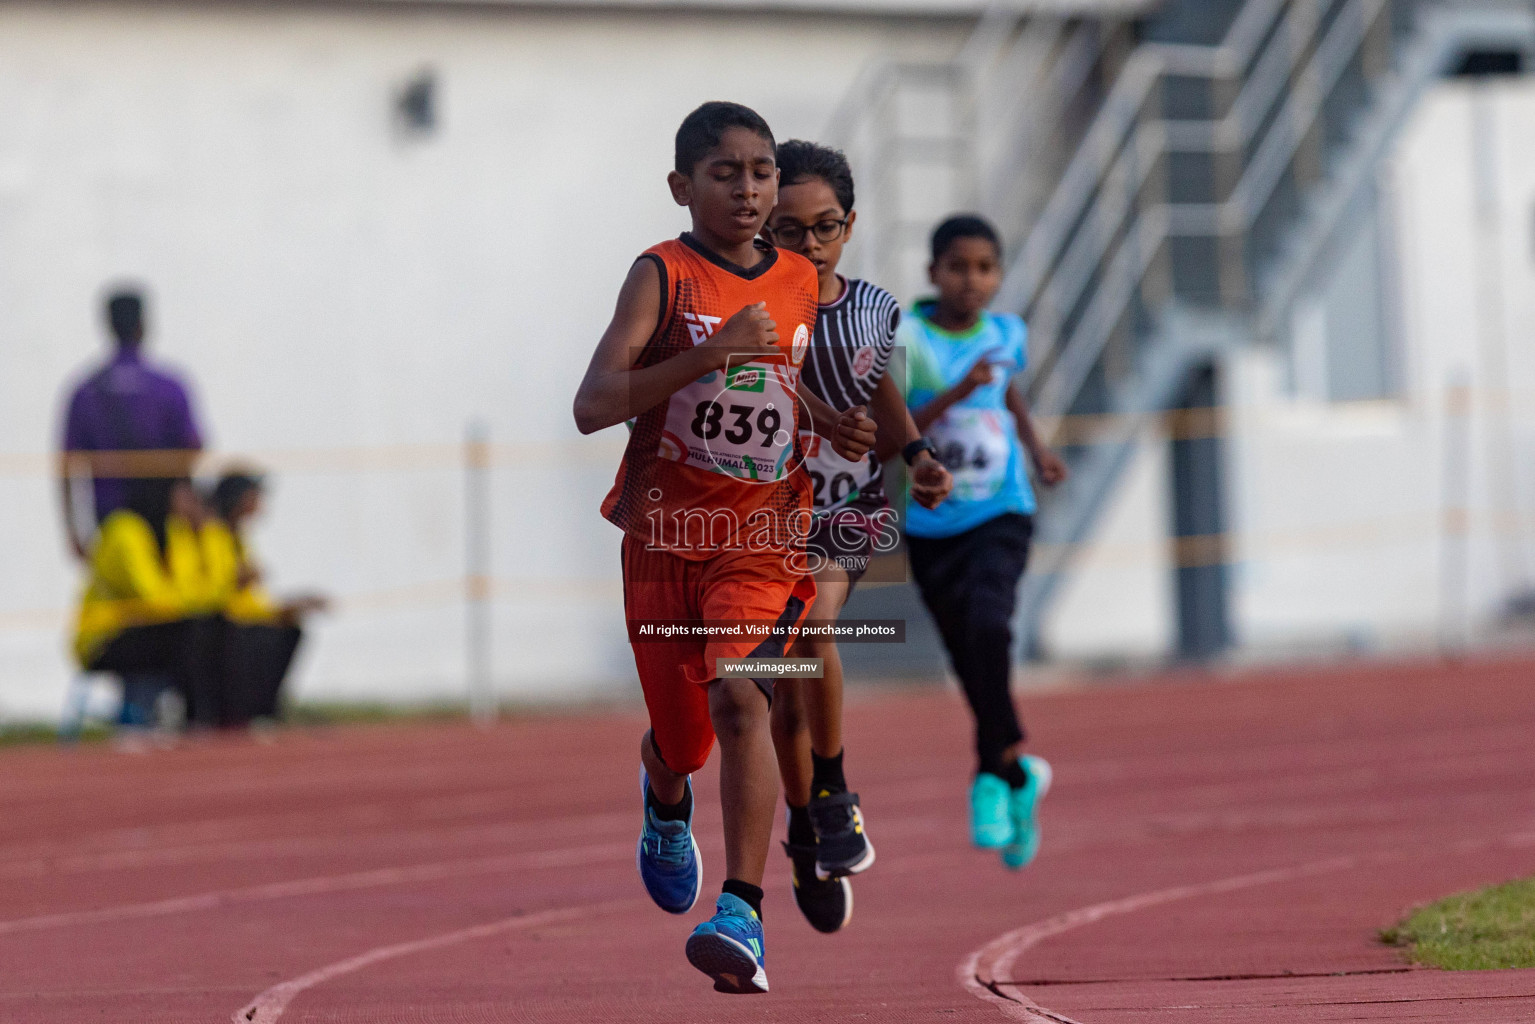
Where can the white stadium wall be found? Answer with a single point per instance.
(1346, 515)
(346, 297)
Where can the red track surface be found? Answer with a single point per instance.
(1232, 831)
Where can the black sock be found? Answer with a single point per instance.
(1011, 772)
(826, 775)
(801, 832)
(745, 890)
(670, 812)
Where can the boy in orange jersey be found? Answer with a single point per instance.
(704, 354)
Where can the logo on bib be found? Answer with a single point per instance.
(801, 343)
(746, 378)
(863, 361)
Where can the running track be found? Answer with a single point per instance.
(1218, 849)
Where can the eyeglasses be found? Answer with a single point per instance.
(792, 234)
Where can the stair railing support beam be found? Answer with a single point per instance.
(1200, 543)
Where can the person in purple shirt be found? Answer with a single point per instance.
(125, 405)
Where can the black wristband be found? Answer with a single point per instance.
(917, 447)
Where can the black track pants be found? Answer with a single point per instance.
(970, 584)
(188, 651)
(256, 661)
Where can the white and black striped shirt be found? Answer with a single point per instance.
(850, 352)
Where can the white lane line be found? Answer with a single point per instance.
(135, 849)
(992, 964)
(994, 961)
(269, 1005)
(323, 884)
(622, 851)
(400, 840)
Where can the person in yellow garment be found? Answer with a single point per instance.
(263, 634)
(139, 614)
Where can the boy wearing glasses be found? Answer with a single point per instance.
(846, 367)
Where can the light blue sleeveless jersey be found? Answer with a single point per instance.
(976, 438)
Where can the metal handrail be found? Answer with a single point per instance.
(1077, 48)
(1073, 359)
(1116, 119)
(1301, 111)
(1045, 292)
(1115, 122)
(1126, 270)
(1091, 242)
(1028, 71)
(1441, 39)
(1236, 214)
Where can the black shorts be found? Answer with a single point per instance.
(843, 537)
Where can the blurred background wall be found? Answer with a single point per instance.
(1382, 460)
(365, 226)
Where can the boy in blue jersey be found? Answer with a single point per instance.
(968, 554)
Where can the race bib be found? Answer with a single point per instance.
(973, 444)
(738, 422)
(836, 481)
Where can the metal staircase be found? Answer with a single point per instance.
(984, 130)
(1207, 196)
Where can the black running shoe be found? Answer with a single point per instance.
(841, 848)
(827, 903)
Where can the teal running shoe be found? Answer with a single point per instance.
(991, 823)
(1023, 808)
(667, 856)
(728, 948)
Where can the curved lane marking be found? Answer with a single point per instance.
(270, 1004)
(986, 971)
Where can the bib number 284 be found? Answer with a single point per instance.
(973, 445)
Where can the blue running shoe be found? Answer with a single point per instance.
(1023, 808)
(728, 948)
(991, 825)
(667, 856)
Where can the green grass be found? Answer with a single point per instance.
(364, 713)
(311, 714)
(20, 734)
(1474, 931)
(299, 715)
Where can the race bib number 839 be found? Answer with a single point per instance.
(739, 422)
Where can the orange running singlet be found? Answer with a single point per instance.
(718, 465)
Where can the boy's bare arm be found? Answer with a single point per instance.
(980, 373)
(930, 481)
(67, 500)
(614, 389)
(1049, 465)
(896, 427)
(851, 433)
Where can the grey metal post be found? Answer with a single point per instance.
(1199, 522)
(482, 698)
(1455, 516)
